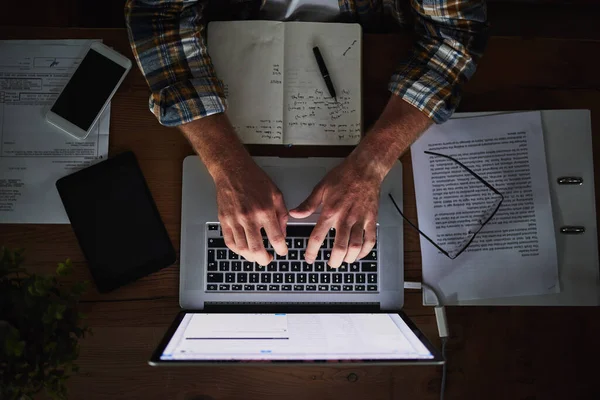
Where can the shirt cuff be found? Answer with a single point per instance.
(434, 93)
(189, 100)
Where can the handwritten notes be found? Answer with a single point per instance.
(275, 91)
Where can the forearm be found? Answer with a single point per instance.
(397, 128)
(217, 144)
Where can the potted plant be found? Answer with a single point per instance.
(40, 327)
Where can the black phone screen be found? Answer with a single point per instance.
(88, 89)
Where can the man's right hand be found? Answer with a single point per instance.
(248, 200)
(246, 197)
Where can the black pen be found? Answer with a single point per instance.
(324, 72)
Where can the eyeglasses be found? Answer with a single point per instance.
(491, 207)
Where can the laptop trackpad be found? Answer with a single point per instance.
(296, 183)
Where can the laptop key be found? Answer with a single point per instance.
(288, 242)
(265, 278)
(278, 278)
(242, 277)
(337, 278)
(368, 266)
(261, 288)
(319, 266)
(372, 256)
(273, 288)
(259, 268)
(313, 278)
(299, 230)
(221, 254)
(266, 243)
(292, 255)
(249, 287)
(211, 255)
(216, 242)
(361, 278)
(298, 243)
(347, 288)
(301, 278)
(348, 278)
(325, 278)
(298, 288)
(233, 256)
(359, 288)
(371, 288)
(343, 267)
(236, 266)
(311, 288)
(214, 277)
(326, 255)
(290, 278)
(323, 288)
(335, 288)
(248, 266)
(284, 266)
(272, 267)
(223, 287)
(329, 268)
(213, 227)
(296, 266)
(212, 266)
(306, 267)
(236, 287)
(286, 288)
(211, 287)
(319, 253)
(254, 277)
(223, 265)
(354, 267)
(372, 278)
(331, 242)
(230, 277)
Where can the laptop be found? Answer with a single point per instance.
(289, 311)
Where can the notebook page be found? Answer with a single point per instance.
(248, 58)
(311, 116)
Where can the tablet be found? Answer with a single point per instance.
(116, 221)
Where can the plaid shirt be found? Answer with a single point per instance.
(167, 38)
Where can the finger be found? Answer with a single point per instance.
(276, 237)
(340, 245)
(310, 205)
(355, 243)
(241, 245)
(369, 240)
(228, 237)
(256, 248)
(282, 214)
(317, 237)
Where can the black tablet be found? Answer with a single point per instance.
(116, 221)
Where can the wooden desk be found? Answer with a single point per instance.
(494, 353)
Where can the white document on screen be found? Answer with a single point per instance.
(514, 254)
(33, 153)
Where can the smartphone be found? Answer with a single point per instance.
(88, 92)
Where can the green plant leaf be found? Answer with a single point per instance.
(62, 270)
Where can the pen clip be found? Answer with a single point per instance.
(572, 230)
(570, 180)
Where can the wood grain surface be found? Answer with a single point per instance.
(494, 352)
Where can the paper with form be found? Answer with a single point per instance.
(515, 253)
(34, 154)
(275, 91)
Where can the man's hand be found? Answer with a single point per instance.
(350, 197)
(248, 201)
(350, 193)
(247, 198)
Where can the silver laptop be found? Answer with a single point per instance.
(288, 311)
(212, 274)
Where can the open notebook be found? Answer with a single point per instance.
(275, 92)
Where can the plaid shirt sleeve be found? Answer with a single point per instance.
(451, 36)
(166, 38)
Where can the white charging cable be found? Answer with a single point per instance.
(442, 324)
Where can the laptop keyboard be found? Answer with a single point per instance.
(227, 271)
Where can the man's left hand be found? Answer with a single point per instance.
(350, 197)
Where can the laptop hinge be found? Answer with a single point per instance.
(316, 308)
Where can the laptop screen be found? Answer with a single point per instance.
(293, 337)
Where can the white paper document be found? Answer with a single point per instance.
(515, 253)
(274, 88)
(33, 153)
